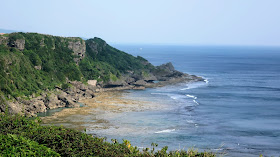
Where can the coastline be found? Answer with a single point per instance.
(77, 92)
(108, 102)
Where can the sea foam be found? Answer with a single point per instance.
(165, 131)
(191, 96)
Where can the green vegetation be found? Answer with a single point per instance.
(13, 145)
(46, 61)
(26, 137)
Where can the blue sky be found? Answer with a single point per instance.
(187, 22)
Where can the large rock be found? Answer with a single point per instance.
(79, 85)
(18, 43)
(129, 80)
(140, 83)
(168, 66)
(13, 107)
(88, 94)
(52, 102)
(92, 82)
(150, 77)
(67, 100)
(78, 46)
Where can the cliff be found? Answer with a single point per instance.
(40, 72)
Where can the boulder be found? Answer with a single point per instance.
(67, 100)
(129, 80)
(92, 82)
(52, 102)
(88, 94)
(140, 83)
(168, 66)
(13, 107)
(150, 77)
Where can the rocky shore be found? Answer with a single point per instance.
(69, 97)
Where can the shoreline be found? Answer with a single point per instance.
(110, 100)
(107, 103)
(71, 96)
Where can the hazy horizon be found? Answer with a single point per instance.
(179, 22)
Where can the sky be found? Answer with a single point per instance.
(179, 22)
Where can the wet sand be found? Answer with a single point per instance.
(103, 104)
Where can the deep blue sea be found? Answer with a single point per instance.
(235, 111)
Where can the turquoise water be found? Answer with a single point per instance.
(237, 110)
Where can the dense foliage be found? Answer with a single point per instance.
(46, 61)
(13, 145)
(18, 133)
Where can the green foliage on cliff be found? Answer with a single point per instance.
(46, 61)
(23, 136)
(120, 60)
(103, 61)
(18, 74)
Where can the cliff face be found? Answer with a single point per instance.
(76, 45)
(78, 48)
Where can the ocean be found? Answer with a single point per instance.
(235, 111)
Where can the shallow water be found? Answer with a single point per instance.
(236, 110)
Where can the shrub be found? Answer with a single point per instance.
(13, 145)
(69, 142)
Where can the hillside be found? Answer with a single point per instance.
(43, 71)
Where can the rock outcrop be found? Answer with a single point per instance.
(78, 46)
(49, 100)
(19, 44)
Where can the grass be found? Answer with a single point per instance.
(26, 137)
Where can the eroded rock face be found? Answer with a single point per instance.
(79, 49)
(19, 44)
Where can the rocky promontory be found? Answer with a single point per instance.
(40, 72)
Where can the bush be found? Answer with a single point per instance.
(13, 145)
(69, 142)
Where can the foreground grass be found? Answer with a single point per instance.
(20, 136)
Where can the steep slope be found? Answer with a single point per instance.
(33, 62)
